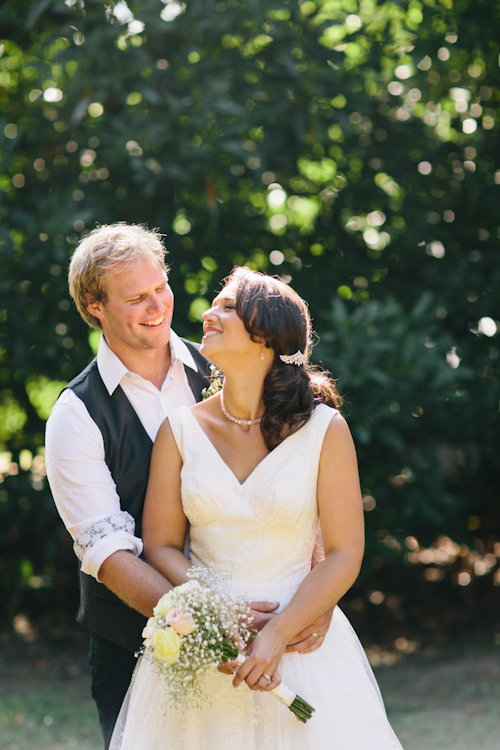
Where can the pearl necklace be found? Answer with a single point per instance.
(229, 416)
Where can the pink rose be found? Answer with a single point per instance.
(149, 631)
(182, 624)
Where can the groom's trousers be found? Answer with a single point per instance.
(111, 668)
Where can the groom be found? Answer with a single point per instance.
(99, 441)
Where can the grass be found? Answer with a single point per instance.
(444, 700)
(45, 701)
(49, 716)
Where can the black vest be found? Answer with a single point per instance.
(127, 450)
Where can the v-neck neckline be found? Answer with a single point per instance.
(240, 484)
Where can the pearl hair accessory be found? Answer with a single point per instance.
(229, 416)
(294, 359)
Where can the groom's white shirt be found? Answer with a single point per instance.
(81, 483)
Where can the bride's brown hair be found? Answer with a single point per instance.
(274, 313)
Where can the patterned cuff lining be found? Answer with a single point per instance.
(121, 521)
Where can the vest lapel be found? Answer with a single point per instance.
(200, 379)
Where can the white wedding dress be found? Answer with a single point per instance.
(262, 534)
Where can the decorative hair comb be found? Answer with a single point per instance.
(294, 359)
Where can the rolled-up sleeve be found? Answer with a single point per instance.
(83, 488)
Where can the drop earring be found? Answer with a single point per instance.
(262, 354)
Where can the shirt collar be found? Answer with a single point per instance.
(180, 351)
(112, 369)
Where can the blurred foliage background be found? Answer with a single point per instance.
(350, 147)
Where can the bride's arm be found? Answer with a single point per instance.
(164, 523)
(312, 637)
(341, 517)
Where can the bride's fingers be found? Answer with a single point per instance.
(261, 683)
(266, 682)
(255, 679)
(253, 674)
(241, 672)
(275, 681)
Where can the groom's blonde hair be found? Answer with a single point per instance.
(107, 248)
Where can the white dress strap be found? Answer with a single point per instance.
(178, 423)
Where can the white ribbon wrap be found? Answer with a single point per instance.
(281, 693)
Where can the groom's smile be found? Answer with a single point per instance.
(154, 323)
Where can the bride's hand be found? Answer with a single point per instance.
(261, 612)
(260, 668)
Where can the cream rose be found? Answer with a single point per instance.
(166, 645)
(182, 624)
(165, 604)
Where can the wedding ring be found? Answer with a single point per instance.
(267, 677)
(316, 635)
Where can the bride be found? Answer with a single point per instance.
(254, 468)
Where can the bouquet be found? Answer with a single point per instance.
(193, 628)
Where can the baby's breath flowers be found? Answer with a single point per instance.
(196, 626)
(216, 382)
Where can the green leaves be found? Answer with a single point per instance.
(397, 384)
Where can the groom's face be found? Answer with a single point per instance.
(139, 306)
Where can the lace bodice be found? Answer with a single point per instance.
(262, 531)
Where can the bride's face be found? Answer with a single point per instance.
(224, 333)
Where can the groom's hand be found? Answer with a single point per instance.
(313, 636)
(262, 612)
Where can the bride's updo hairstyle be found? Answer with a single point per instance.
(273, 312)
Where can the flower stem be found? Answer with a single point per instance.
(302, 710)
(230, 652)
